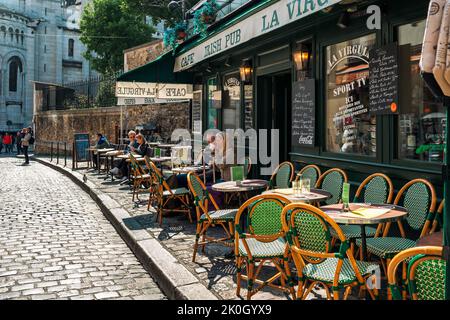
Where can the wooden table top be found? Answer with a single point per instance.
(127, 156)
(160, 159)
(313, 195)
(246, 185)
(335, 212)
(114, 153)
(188, 169)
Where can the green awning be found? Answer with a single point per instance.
(159, 70)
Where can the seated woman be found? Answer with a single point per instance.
(120, 166)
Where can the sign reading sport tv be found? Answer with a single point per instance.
(153, 90)
(273, 17)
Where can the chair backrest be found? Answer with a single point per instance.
(248, 165)
(135, 167)
(263, 217)
(438, 220)
(309, 235)
(237, 173)
(425, 273)
(282, 176)
(200, 193)
(311, 172)
(419, 198)
(376, 188)
(332, 181)
(158, 176)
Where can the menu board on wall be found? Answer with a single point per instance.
(383, 80)
(303, 113)
(197, 111)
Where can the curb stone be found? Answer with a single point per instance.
(174, 279)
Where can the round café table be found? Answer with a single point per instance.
(242, 189)
(102, 152)
(315, 195)
(111, 155)
(335, 212)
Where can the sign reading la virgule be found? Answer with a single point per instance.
(265, 20)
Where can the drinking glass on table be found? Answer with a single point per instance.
(296, 187)
(305, 185)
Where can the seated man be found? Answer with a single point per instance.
(102, 143)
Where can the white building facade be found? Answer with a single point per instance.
(39, 41)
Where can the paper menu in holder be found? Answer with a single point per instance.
(367, 213)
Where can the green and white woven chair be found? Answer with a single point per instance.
(419, 198)
(332, 181)
(311, 172)
(308, 232)
(165, 194)
(207, 219)
(282, 176)
(377, 189)
(425, 274)
(438, 221)
(262, 240)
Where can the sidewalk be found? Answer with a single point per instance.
(213, 273)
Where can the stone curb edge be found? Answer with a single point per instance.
(174, 279)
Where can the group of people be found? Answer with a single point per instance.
(22, 140)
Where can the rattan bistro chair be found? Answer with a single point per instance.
(425, 274)
(207, 219)
(139, 177)
(282, 176)
(308, 232)
(377, 189)
(165, 194)
(311, 172)
(419, 198)
(262, 241)
(438, 220)
(332, 181)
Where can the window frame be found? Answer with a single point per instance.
(332, 39)
(70, 48)
(393, 119)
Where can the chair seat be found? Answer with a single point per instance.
(227, 214)
(354, 232)
(141, 176)
(260, 249)
(177, 192)
(325, 271)
(387, 247)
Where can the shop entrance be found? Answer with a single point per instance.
(274, 108)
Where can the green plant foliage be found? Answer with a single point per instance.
(108, 27)
(171, 35)
(208, 9)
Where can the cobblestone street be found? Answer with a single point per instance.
(55, 242)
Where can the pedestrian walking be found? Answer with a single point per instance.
(26, 143)
(19, 137)
(7, 141)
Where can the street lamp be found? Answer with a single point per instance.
(302, 59)
(173, 5)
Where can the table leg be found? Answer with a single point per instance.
(363, 242)
(98, 162)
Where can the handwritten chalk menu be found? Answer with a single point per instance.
(303, 113)
(197, 111)
(383, 80)
(81, 143)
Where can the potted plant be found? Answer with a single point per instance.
(204, 16)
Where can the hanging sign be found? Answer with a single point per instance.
(383, 80)
(153, 90)
(197, 111)
(121, 101)
(264, 21)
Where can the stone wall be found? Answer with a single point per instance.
(143, 54)
(60, 125)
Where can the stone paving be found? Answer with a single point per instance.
(55, 242)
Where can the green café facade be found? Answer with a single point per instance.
(251, 69)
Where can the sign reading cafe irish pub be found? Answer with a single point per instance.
(274, 16)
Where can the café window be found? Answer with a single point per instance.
(349, 126)
(213, 104)
(231, 111)
(421, 119)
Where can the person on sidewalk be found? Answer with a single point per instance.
(26, 144)
(1, 143)
(19, 137)
(102, 143)
(121, 166)
(7, 141)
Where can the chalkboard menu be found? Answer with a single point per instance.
(81, 143)
(197, 111)
(303, 113)
(383, 80)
